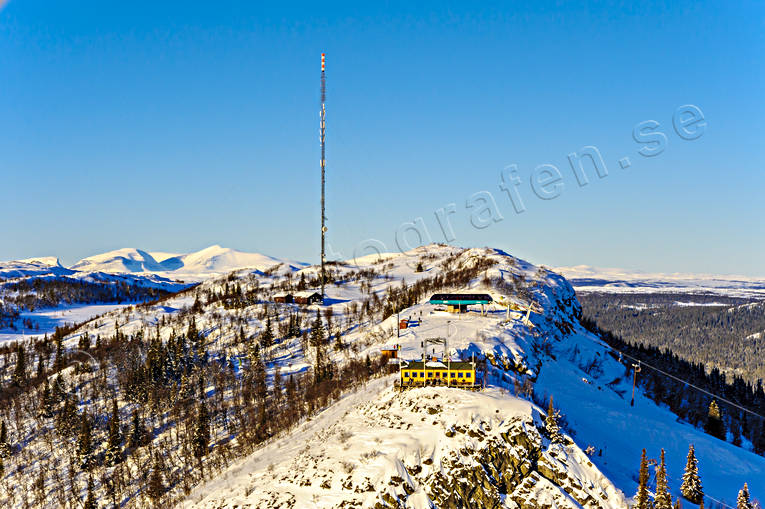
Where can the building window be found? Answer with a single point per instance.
(430, 374)
(453, 375)
(468, 375)
(460, 375)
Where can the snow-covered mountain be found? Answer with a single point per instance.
(211, 261)
(32, 267)
(585, 278)
(170, 272)
(44, 260)
(121, 260)
(364, 451)
(372, 445)
(221, 260)
(191, 267)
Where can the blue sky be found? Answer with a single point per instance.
(175, 125)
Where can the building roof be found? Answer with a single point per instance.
(461, 298)
(436, 365)
(306, 293)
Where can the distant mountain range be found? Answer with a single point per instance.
(585, 278)
(208, 262)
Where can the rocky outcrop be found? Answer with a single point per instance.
(516, 467)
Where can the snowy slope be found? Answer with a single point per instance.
(161, 256)
(121, 260)
(552, 356)
(594, 401)
(585, 278)
(32, 267)
(220, 260)
(44, 260)
(600, 412)
(412, 448)
(46, 320)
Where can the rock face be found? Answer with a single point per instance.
(433, 448)
(514, 466)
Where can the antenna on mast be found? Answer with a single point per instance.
(323, 166)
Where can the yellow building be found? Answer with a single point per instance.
(435, 372)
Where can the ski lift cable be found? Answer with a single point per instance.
(720, 502)
(643, 363)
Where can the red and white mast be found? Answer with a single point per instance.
(323, 167)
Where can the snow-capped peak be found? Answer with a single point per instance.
(210, 261)
(51, 261)
(120, 260)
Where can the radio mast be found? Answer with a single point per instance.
(323, 166)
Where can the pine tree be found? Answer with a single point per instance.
(85, 443)
(322, 370)
(743, 501)
(40, 367)
(551, 424)
(66, 421)
(276, 388)
(137, 436)
(201, 439)
(258, 374)
(46, 401)
(293, 330)
(5, 448)
(691, 487)
(59, 365)
(291, 390)
(90, 501)
(714, 425)
(156, 487)
(114, 444)
(302, 284)
(641, 499)
(662, 498)
(339, 342)
(267, 338)
(317, 331)
(20, 373)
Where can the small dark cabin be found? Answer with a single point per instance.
(308, 298)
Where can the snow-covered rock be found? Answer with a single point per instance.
(427, 447)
